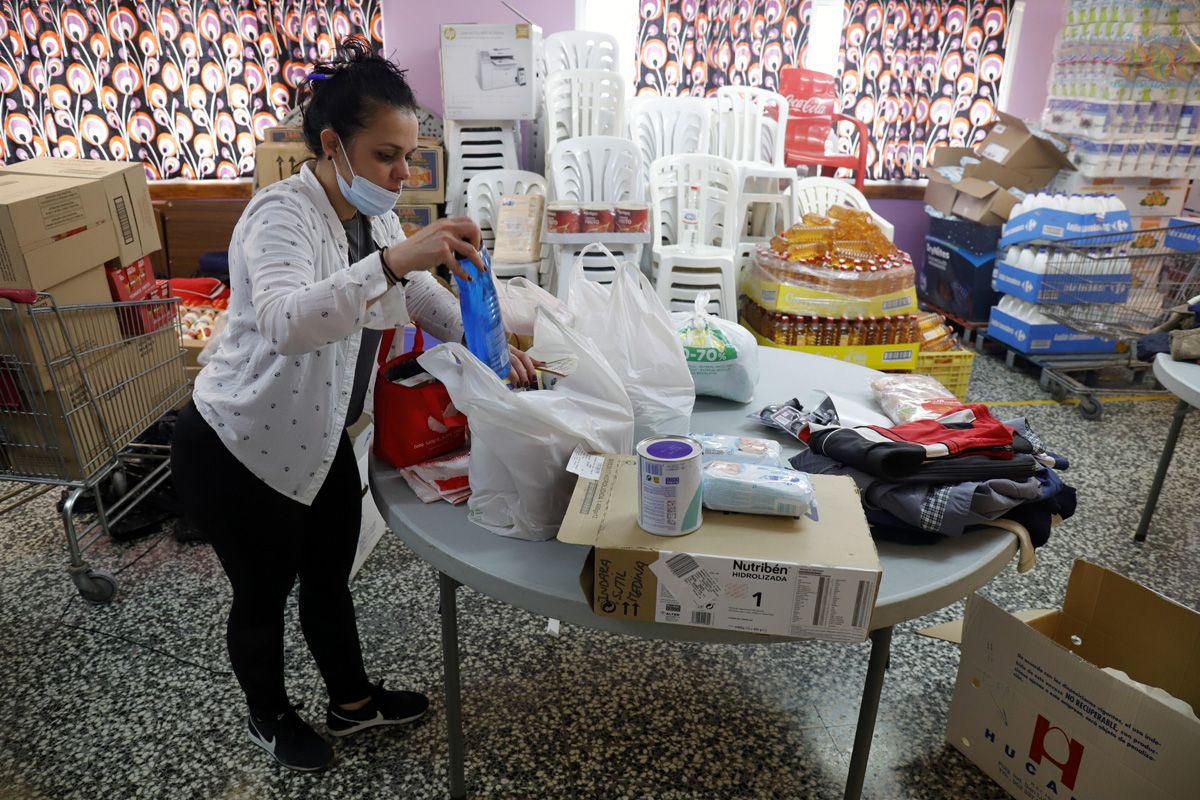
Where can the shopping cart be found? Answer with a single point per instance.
(1148, 271)
(77, 385)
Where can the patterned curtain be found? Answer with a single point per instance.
(918, 73)
(187, 86)
(695, 47)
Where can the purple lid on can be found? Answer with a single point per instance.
(670, 449)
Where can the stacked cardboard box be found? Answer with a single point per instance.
(972, 193)
(80, 231)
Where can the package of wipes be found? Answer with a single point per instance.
(754, 489)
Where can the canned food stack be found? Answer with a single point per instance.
(625, 217)
(833, 284)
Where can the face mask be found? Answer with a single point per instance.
(369, 198)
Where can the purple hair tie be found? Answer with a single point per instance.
(318, 76)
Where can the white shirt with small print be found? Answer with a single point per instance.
(277, 384)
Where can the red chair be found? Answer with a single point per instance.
(812, 97)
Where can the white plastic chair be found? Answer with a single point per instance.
(589, 169)
(684, 269)
(668, 126)
(583, 102)
(580, 50)
(818, 194)
(483, 203)
(750, 126)
(475, 147)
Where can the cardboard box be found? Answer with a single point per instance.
(90, 330)
(279, 155)
(816, 577)
(1034, 709)
(970, 198)
(150, 313)
(490, 71)
(1143, 197)
(1149, 233)
(413, 218)
(1035, 156)
(51, 229)
(956, 280)
(1049, 225)
(971, 237)
(127, 194)
(518, 229)
(1045, 339)
(426, 181)
(133, 281)
(1061, 288)
(900, 357)
(790, 298)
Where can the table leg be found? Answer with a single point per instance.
(1160, 475)
(454, 733)
(881, 646)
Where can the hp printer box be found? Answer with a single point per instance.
(490, 71)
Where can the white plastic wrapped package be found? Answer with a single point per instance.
(721, 355)
(742, 449)
(521, 441)
(908, 398)
(755, 489)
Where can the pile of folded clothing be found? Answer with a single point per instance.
(937, 477)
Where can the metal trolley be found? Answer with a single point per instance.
(77, 385)
(1148, 271)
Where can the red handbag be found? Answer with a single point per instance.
(412, 423)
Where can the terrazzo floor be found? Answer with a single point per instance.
(134, 699)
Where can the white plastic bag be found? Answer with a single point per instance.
(722, 355)
(635, 333)
(520, 298)
(521, 441)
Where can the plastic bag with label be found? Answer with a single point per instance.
(908, 398)
(721, 355)
(634, 331)
(521, 441)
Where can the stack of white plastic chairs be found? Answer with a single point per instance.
(588, 157)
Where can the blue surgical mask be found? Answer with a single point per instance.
(368, 197)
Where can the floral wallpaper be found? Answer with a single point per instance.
(920, 74)
(917, 73)
(186, 86)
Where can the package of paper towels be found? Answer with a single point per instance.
(742, 449)
(755, 489)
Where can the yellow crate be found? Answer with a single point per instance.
(951, 367)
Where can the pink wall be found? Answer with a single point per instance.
(1027, 94)
(411, 30)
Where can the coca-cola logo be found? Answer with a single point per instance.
(810, 105)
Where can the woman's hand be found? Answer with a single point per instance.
(440, 242)
(523, 367)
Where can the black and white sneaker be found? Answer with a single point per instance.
(290, 740)
(384, 708)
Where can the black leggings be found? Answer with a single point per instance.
(265, 541)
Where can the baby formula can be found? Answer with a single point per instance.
(669, 485)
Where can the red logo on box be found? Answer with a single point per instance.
(1038, 751)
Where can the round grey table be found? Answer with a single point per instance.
(1182, 380)
(543, 577)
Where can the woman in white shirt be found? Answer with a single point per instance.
(318, 267)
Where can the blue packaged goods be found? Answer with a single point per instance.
(1066, 288)
(755, 489)
(742, 449)
(1044, 336)
(957, 280)
(482, 324)
(1050, 224)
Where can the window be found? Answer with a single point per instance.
(919, 74)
